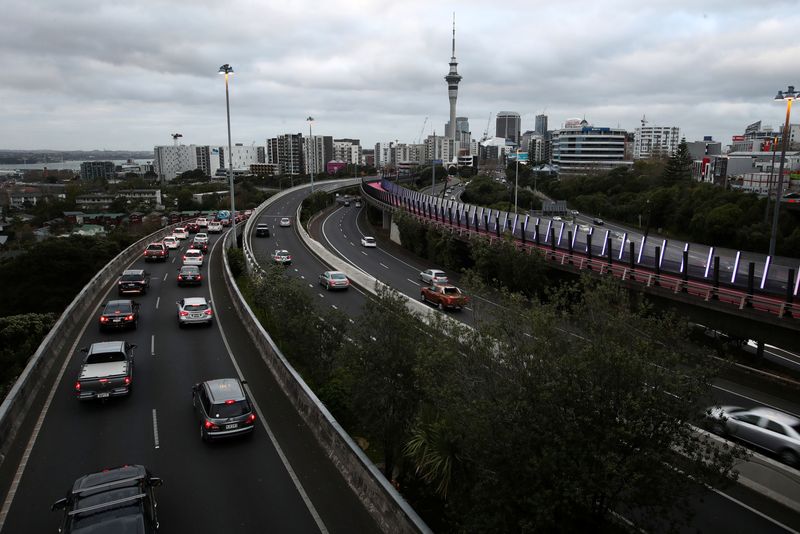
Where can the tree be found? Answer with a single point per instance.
(679, 166)
(20, 336)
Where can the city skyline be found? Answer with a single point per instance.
(99, 76)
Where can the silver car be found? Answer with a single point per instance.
(768, 429)
(194, 310)
(433, 276)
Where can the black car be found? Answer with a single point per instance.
(189, 275)
(192, 227)
(133, 281)
(223, 408)
(262, 230)
(119, 314)
(113, 500)
(200, 245)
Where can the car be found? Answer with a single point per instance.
(575, 213)
(180, 233)
(214, 227)
(367, 241)
(262, 230)
(223, 408)
(201, 237)
(282, 256)
(433, 276)
(189, 275)
(598, 222)
(202, 222)
(285, 222)
(119, 314)
(358, 203)
(765, 428)
(106, 371)
(334, 280)
(172, 242)
(193, 256)
(192, 227)
(444, 296)
(556, 218)
(346, 203)
(119, 499)
(156, 252)
(133, 281)
(194, 310)
(202, 246)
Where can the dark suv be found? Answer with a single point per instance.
(262, 230)
(119, 314)
(223, 408)
(133, 281)
(114, 500)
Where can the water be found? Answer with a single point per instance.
(62, 165)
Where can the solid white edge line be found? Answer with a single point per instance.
(153, 345)
(382, 265)
(413, 282)
(312, 510)
(753, 510)
(155, 428)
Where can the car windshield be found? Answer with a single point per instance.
(117, 308)
(105, 357)
(232, 409)
(131, 277)
(189, 270)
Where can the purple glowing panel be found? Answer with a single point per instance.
(641, 249)
(736, 266)
(560, 234)
(708, 261)
(661, 256)
(605, 244)
(766, 271)
(622, 244)
(797, 281)
(685, 249)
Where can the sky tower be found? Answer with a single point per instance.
(452, 80)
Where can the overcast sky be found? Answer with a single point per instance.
(110, 74)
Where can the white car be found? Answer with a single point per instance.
(214, 227)
(180, 233)
(193, 257)
(286, 221)
(282, 256)
(367, 241)
(433, 276)
(201, 237)
(202, 222)
(194, 310)
(172, 242)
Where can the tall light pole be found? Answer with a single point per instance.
(788, 96)
(311, 150)
(433, 166)
(516, 183)
(227, 70)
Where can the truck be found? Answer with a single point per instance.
(444, 296)
(106, 371)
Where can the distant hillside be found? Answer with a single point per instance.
(44, 156)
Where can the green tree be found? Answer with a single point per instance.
(679, 166)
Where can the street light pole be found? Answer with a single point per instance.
(433, 165)
(227, 70)
(516, 183)
(311, 150)
(788, 96)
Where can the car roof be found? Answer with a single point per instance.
(330, 273)
(369, 237)
(281, 251)
(122, 473)
(261, 224)
(193, 301)
(194, 252)
(775, 415)
(223, 389)
(133, 271)
(107, 346)
(435, 271)
(119, 302)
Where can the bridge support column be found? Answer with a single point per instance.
(589, 249)
(789, 292)
(536, 235)
(522, 231)
(569, 245)
(715, 294)
(387, 220)
(751, 276)
(486, 223)
(609, 250)
(553, 242)
(658, 266)
(497, 225)
(631, 256)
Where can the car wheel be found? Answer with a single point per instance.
(422, 297)
(203, 436)
(789, 457)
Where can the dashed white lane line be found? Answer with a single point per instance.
(364, 253)
(157, 301)
(165, 276)
(413, 282)
(310, 285)
(382, 265)
(334, 306)
(153, 345)
(321, 295)
(155, 428)
(173, 261)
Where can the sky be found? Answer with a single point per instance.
(125, 75)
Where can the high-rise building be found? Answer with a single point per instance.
(541, 124)
(318, 150)
(384, 154)
(655, 141)
(242, 156)
(508, 126)
(579, 148)
(97, 170)
(347, 150)
(286, 151)
(172, 160)
(452, 79)
(209, 159)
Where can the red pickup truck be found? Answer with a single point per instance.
(156, 252)
(444, 296)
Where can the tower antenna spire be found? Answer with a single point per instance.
(454, 34)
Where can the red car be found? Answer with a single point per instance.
(192, 227)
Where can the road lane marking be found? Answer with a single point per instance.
(321, 295)
(157, 301)
(155, 428)
(173, 260)
(153, 345)
(413, 282)
(334, 306)
(382, 265)
(297, 484)
(364, 253)
(165, 276)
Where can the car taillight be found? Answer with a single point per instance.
(103, 380)
(180, 277)
(184, 258)
(210, 426)
(208, 311)
(77, 386)
(103, 319)
(199, 277)
(184, 313)
(127, 381)
(129, 317)
(250, 419)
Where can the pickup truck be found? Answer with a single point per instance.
(156, 252)
(444, 296)
(107, 371)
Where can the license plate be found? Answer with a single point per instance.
(197, 316)
(117, 320)
(231, 427)
(103, 395)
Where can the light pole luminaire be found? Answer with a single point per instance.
(226, 70)
(311, 152)
(788, 96)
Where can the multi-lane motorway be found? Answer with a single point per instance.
(736, 510)
(278, 480)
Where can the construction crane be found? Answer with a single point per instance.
(644, 121)
(488, 124)
(424, 123)
(175, 137)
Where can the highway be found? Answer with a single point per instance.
(277, 480)
(736, 510)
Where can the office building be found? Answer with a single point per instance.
(580, 148)
(655, 141)
(347, 150)
(97, 170)
(318, 150)
(172, 160)
(508, 126)
(286, 151)
(541, 124)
